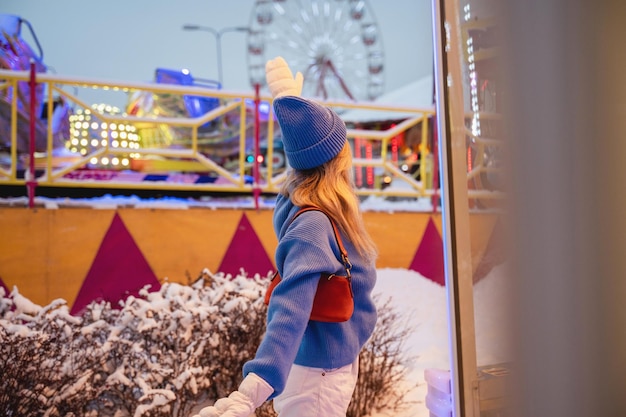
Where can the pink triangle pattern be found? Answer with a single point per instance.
(118, 270)
(428, 259)
(246, 252)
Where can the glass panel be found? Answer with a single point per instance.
(484, 130)
(472, 170)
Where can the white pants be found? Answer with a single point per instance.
(317, 392)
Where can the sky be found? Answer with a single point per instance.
(128, 40)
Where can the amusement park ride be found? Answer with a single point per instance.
(16, 54)
(336, 45)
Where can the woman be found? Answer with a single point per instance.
(309, 368)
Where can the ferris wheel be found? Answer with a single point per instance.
(336, 44)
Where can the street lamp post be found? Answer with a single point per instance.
(218, 41)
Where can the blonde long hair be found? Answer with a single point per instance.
(330, 187)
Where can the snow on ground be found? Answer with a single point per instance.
(424, 304)
(108, 201)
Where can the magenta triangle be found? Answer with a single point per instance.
(246, 252)
(428, 259)
(119, 270)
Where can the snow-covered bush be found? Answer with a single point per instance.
(43, 360)
(158, 355)
(164, 353)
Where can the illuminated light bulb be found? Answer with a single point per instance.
(83, 151)
(94, 142)
(85, 125)
(115, 144)
(74, 149)
(123, 135)
(75, 132)
(115, 161)
(77, 125)
(74, 141)
(93, 160)
(125, 162)
(124, 144)
(84, 142)
(114, 134)
(103, 125)
(113, 126)
(103, 142)
(94, 125)
(105, 160)
(83, 133)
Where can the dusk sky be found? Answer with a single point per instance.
(128, 40)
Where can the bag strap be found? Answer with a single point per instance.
(344, 253)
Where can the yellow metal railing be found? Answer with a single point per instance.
(236, 178)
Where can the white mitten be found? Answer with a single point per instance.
(252, 392)
(280, 80)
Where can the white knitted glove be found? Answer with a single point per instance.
(280, 80)
(252, 392)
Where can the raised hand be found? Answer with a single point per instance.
(280, 79)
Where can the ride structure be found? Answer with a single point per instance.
(183, 133)
(178, 132)
(17, 55)
(336, 45)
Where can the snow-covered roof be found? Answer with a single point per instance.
(418, 94)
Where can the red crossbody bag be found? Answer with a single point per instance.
(334, 301)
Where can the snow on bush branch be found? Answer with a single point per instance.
(165, 353)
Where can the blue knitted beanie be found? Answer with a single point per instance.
(312, 134)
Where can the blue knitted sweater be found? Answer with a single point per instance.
(306, 248)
